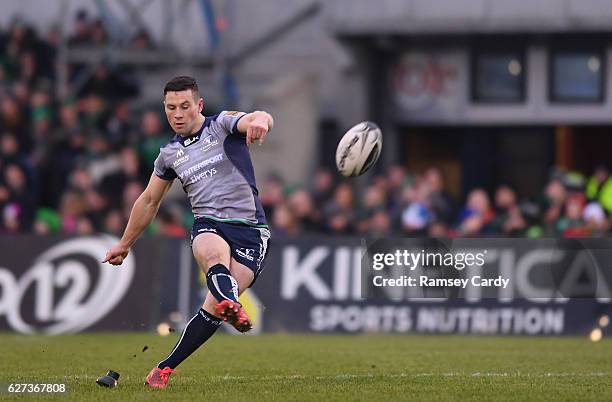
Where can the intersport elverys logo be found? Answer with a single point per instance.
(70, 288)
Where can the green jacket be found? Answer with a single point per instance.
(602, 194)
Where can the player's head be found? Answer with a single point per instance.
(183, 104)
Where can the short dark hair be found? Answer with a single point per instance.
(181, 83)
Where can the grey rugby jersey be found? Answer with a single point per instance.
(215, 169)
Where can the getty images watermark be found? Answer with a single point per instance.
(496, 268)
(411, 261)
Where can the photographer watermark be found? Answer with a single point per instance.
(503, 269)
(411, 261)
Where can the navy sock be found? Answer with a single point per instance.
(201, 327)
(221, 283)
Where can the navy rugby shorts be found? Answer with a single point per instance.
(249, 245)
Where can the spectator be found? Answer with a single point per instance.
(152, 138)
(93, 112)
(284, 222)
(47, 221)
(114, 223)
(594, 217)
(21, 40)
(272, 194)
(108, 84)
(13, 120)
(571, 224)
(115, 182)
(20, 205)
(69, 121)
(438, 230)
(441, 203)
(170, 222)
(142, 40)
(338, 212)
(338, 222)
(82, 182)
(599, 188)
(417, 215)
(72, 208)
(10, 154)
(84, 226)
(131, 192)
(99, 36)
(302, 207)
(21, 93)
(476, 214)
(555, 195)
(67, 155)
(322, 187)
(47, 52)
(82, 29)
(41, 115)
(101, 161)
(380, 224)
(96, 207)
(397, 181)
(373, 201)
(508, 216)
(28, 68)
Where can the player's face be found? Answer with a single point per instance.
(182, 111)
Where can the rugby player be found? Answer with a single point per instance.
(229, 238)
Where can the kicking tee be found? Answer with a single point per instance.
(215, 169)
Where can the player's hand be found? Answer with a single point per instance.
(116, 254)
(257, 131)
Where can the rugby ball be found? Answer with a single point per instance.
(359, 149)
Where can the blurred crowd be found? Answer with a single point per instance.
(75, 163)
(70, 163)
(403, 204)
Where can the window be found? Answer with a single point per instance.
(577, 76)
(498, 77)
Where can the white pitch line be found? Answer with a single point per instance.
(346, 376)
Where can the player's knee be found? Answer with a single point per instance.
(212, 257)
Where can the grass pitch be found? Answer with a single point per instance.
(316, 368)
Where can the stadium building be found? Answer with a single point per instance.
(490, 91)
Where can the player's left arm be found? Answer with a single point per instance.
(256, 126)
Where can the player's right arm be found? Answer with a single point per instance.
(144, 210)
